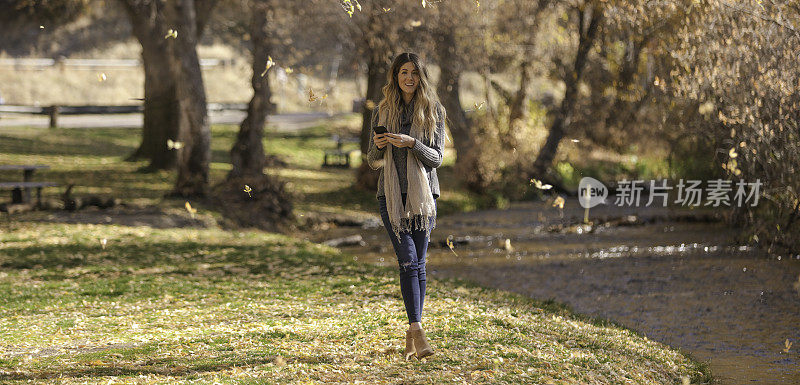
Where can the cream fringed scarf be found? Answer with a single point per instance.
(419, 212)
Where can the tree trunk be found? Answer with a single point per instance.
(247, 154)
(367, 178)
(161, 110)
(518, 113)
(161, 107)
(544, 160)
(449, 92)
(518, 108)
(194, 130)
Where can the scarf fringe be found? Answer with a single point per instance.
(418, 198)
(417, 222)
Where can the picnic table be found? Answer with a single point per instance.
(21, 191)
(339, 157)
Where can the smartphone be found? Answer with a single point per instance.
(380, 129)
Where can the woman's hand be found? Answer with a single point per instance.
(380, 140)
(400, 140)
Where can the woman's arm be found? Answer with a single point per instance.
(432, 156)
(374, 154)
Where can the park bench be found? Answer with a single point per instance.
(21, 191)
(339, 157)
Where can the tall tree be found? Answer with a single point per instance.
(588, 15)
(193, 128)
(517, 33)
(247, 154)
(161, 108)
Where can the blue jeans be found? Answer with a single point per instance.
(410, 251)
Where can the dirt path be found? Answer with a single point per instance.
(677, 281)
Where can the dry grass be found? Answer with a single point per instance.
(208, 306)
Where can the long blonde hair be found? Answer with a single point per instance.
(426, 102)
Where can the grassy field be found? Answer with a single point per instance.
(205, 305)
(83, 303)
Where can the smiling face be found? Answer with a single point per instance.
(408, 78)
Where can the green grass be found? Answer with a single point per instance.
(186, 305)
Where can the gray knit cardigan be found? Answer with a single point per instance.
(430, 156)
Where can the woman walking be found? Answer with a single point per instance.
(408, 153)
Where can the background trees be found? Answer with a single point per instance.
(705, 89)
(744, 86)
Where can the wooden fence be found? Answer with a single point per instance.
(22, 63)
(55, 111)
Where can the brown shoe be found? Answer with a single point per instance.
(410, 350)
(421, 343)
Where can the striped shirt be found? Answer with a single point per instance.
(430, 156)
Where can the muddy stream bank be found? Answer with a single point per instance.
(672, 274)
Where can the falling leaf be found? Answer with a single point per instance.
(575, 140)
(171, 33)
(788, 345)
(248, 190)
(416, 23)
(289, 70)
(450, 244)
(101, 77)
(387, 9)
(174, 145)
(423, 3)
(508, 246)
(348, 7)
(311, 96)
(270, 63)
(41, 27)
(190, 209)
(478, 106)
(732, 153)
(541, 186)
(559, 201)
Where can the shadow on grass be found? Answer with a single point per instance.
(163, 366)
(73, 146)
(166, 367)
(158, 254)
